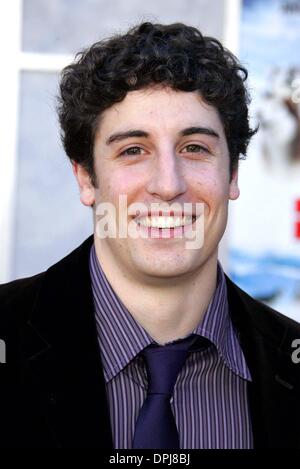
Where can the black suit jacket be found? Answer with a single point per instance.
(52, 390)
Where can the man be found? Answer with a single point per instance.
(154, 122)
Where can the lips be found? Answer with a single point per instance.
(168, 232)
(164, 221)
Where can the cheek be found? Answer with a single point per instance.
(211, 186)
(119, 182)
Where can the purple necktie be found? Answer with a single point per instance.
(155, 427)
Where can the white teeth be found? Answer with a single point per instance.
(165, 222)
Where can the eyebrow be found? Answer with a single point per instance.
(199, 130)
(118, 136)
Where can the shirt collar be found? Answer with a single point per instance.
(122, 338)
(217, 326)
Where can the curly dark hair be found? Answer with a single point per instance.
(175, 55)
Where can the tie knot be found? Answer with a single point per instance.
(164, 363)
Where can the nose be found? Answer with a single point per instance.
(166, 180)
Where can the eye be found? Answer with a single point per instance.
(195, 148)
(132, 151)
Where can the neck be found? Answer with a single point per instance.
(168, 309)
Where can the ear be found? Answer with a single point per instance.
(87, 190)
(234, 190)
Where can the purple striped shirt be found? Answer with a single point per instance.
(209, 401)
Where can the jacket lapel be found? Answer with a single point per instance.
(64, 356)
(274, 392)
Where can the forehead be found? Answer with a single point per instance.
(160, 109)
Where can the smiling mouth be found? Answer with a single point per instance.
(165, 222)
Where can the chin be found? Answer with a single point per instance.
(160, 275)
(171, 267)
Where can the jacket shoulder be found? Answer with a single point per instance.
(264, 318)
(18, 297)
